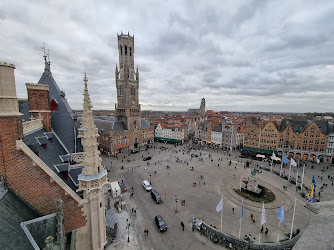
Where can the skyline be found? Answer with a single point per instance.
(253, 57)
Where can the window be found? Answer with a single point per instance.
(312, 134)
(305, 140)
(322, 149)
(317, 142)
(53, 105)
(311, 141)
(298, 146)
(121, 90)
(133, 91)
(318, 135)
(121, 50)
(126, 50)
(310, 147)
(130, 52)
(312, 129)
(316, 149)
(287, 133)
(306, 134)
(322, 142)
(304, 147)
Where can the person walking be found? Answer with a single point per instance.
(262, 229)
(182, 225)
(266, 232)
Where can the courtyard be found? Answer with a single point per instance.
(171, 175)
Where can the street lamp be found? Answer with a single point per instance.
(150, 178)
(128, 227)
(176, 200)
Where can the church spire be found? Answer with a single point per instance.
(88, 133)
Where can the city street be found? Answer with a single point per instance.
(200, 201)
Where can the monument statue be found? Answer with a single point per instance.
(252, 184)
(253, 172)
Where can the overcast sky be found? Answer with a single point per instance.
(239, 55)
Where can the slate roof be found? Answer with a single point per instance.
(13, 212)
(144, 124)
(52, 155)
(297, 126)
(300, 126)
(119, 126)
(104, 126)
(24, 109)
(61, 120)
(218, 128)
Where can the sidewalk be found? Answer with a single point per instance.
(122, 233)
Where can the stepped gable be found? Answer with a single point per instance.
(296, 126)
(62, 121)
(54, 156)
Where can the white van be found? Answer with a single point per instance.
(147, 185)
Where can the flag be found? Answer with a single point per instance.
(310, 193)
(242, 209)
(293, 163)
(280, 214)
(220, 206)
(314, 183)
(274, 156)
(263, 215)
(310, 200)
(285, 160)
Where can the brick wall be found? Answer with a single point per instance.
(30, 182)
(39, 100)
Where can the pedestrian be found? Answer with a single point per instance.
(266, 232)
(135, 212)
(182, 225)
(193, 227)
(232, 209)
(262, 229)
(251, 216)
(254, 219)
(132, 210)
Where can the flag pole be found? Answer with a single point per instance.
(279, 224)
(297, 173)
(289, 170)
(293, 218)
(303, 177)
(241, 217)
(221, 219)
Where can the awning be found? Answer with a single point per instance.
(261, 156)
(260, 150)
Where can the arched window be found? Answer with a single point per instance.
(126, 50)
(130, 52)
(121, 50)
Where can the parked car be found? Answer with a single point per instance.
(161, 223)
(147, 158)
(135, 150)
(146, 185)
(149, 146)
(194, 155)
(156, 196)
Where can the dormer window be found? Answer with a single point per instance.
(54, 105)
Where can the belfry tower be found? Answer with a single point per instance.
(93, 177)
(127, 84)
(202, 108)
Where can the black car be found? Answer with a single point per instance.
(147, 158)
(162, 225)
(156, 196)
(194, 155)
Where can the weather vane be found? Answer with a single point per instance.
(44, 50)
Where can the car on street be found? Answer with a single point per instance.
(161, 223)
(146, 158)
(194, 155)
(146, 185)
(156, 196)
(135, 150)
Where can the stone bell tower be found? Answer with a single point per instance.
(93, 177)
(127, 84)
(202, 108)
